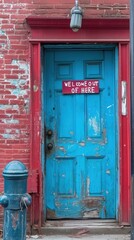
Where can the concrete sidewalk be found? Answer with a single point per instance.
(85, 237)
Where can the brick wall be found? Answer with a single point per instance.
(15, 65)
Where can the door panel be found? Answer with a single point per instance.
(81, 166)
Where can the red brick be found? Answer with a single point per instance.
(7, 26)
(3, 102)
(10, 96)
(18, 102)
(4, 92)
(18, 71)
(4, 15)
(1, 75)
(11, 66)
(5, 21)
(4, 71)
(11, 111)
(1, 86)
(11, 76)
(9, 31)
(10, 57)
(11, 1)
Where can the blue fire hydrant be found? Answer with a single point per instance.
(15, 201)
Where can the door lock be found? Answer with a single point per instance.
(49, 146)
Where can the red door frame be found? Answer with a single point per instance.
(93, 31)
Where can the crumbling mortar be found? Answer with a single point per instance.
(4, 46)
(107, 6)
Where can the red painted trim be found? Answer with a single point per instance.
(125, 145)
(40, 22)
(35, 163)
(58, 31)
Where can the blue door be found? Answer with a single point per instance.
(81, 135)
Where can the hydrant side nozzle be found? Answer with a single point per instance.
(26, 200)
(4, 201)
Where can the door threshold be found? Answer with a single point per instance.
(72, 227)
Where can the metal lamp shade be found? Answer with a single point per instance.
(76, 18)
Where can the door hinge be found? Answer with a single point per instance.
(124, 98)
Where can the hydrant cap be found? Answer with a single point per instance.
(15, 169)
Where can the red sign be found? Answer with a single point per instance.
(80, 87)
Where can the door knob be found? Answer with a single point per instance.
(49, 133)
(49, 146)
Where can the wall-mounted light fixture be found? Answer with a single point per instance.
(76, 17)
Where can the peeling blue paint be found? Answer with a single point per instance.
(8, 136)
(4, 45)
(18, 83)
(21, 64)
(6, 106)
(22, 82)
(2, 32)
(19, 92)
(9, 131)
(10, 121)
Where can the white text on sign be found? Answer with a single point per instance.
(80, 87)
